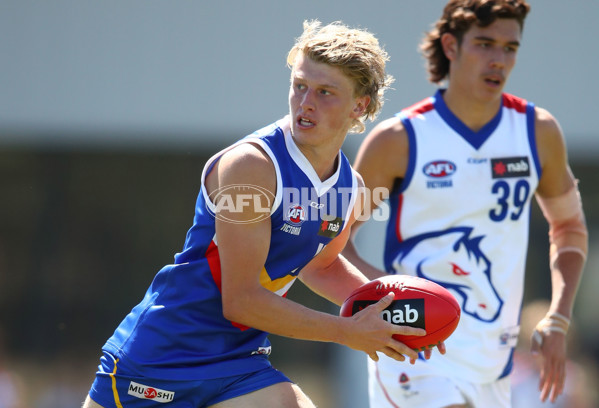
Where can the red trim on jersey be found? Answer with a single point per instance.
(419, 108)
(514, 102)
(378, 379)
(398, 223)
(213, 258)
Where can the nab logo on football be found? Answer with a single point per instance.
(439, 169)
(296, 214)
(404, 312)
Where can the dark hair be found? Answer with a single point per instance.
(458, 16)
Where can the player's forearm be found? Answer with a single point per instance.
(565, 279)
(271, 313)
(334, 282)
(568, 239)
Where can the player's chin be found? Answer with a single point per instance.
(492, 91)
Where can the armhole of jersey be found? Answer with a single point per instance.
(279, 193)
(354, 196)
(411, 153)
(207, 168)
(212, 161)
(532, 140)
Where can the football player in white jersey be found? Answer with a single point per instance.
(199, 336)
(462, 167)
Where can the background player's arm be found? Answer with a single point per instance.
(381, 160)
(557, 181)
(243, 249)
(332, 276)
(329, 274)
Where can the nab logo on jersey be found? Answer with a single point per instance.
(330, 228)
(510, 167)
(296, 214)
(439, 169)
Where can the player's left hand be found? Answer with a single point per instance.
(429, 352)
(552, 350)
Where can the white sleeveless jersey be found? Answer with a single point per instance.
(460, 218)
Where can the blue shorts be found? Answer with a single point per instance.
(112, 389)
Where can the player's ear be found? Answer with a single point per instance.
(360, 106)
(450, 45)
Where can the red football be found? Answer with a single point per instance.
(418, 303)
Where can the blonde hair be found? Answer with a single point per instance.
(356, 52)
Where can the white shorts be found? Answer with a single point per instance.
(393, 384)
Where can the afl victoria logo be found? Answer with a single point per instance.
(439, 168)
(296, 214)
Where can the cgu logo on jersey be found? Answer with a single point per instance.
(404, 312)
(510, 167)
(147, 392)
(330, 228)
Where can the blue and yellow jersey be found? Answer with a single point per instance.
(178, 330)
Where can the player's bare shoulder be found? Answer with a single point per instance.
(546, 124)
(247, 155)
(385, 149)
(549, 136)
(388, 134)
(246, 163)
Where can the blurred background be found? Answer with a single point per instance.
(108, 112)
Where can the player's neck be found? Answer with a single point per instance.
(472, 111)
(323, 160)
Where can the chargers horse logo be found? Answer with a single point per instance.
(454, 259)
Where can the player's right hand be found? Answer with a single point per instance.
(376, 335)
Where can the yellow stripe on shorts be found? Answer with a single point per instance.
(117, 401)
